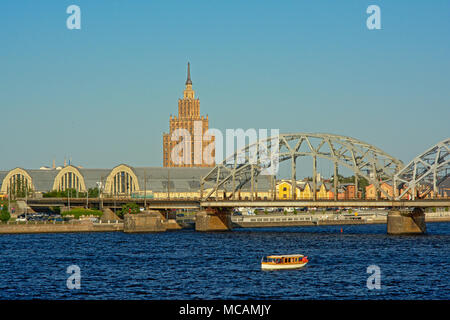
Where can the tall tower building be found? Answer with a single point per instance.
(186, 144)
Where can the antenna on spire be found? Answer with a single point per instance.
(188, 81)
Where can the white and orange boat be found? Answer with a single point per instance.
(280, 262)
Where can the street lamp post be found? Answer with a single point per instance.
(26, 201)
(145, 191)
(99, 187)
(9, 198)
(68, 198)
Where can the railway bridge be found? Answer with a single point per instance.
(220, 187)
(411, 183)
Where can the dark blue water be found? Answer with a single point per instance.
(192, 265)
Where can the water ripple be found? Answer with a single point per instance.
(226, 265)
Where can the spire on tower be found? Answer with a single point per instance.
(188, 81)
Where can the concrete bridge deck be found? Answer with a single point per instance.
(428, 203)
(117, 202)
(196, 203)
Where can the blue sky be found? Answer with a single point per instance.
(102, 95)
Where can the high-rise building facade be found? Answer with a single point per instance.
(186, 144)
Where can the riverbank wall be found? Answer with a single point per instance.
(83, 226)
(258, 221)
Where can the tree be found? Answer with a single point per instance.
(362, 182)
(4, 214)
(93, 192)
(131, 208)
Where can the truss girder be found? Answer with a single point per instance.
(425, 172)
(364, 159)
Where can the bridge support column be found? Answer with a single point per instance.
(405, 222)
(213, 220)
(149, 221)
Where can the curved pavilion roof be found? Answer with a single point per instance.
(154, 178)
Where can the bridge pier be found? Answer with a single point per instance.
(213, 220)
(148, 221)
(405, 222)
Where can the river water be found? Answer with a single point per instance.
(226, 265)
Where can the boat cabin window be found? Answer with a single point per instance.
(284, 259)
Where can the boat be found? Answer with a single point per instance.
(281, 262)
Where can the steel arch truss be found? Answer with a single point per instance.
(263, 157)
(425, 172)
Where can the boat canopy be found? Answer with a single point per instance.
(285, 256)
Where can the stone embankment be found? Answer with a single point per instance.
(154, 221)
(49, 227)
(438, 216)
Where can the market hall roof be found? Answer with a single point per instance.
(155, 179)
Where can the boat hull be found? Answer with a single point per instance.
(279, 266)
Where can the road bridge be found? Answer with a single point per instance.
(366, 161)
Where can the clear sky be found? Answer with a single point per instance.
(102, 95)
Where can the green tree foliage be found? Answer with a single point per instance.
(56, 210)
(131, 208)
(93, 192)
(362, 182)
(18, 188)
(78, 212)
(60, 194)
(4, 214)
(72, 193)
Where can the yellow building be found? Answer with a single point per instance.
(303, 191)
(323, 193)
(283, 190)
